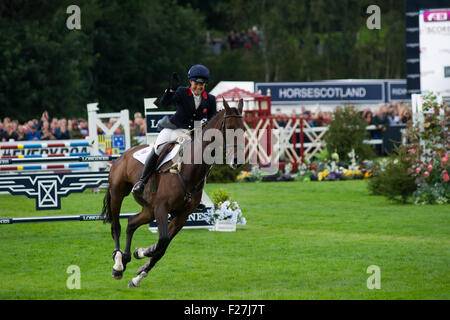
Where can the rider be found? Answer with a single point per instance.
(193, 104)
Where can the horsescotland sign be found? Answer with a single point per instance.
(319, 92)
(337, 91)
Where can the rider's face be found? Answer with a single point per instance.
(197, 87)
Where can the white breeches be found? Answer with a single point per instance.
(166, 135)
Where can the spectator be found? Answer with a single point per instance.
(138, 122)
(84, 127)
(142, 130)
(393, 117)
(259, 32)
(255, 36)
(61, 132)
(44, 117)
(2, 133)
(327, 116)
(380, 120)
(368, 116)
(54, 125)
(10, 133)
(403, 114)
(233, 40)
(21, 133)
(318, 119)
(74, 131)
(249, 40)
(242, 39)
(281, 118)
(33, 134)
(46, 134)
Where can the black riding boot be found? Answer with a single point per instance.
(149, 167)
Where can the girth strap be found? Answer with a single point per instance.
(175, 169)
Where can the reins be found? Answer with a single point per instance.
(176, 167)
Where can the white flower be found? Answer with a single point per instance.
(335, 156)
(226, 211)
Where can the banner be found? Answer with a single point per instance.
(346, 91)
(434, 38)
(25, 149)
(111, 144)
(152, 119)
(396, 91)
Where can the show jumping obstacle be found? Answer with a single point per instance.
(25, 166)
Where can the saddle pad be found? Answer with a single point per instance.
(142, 154)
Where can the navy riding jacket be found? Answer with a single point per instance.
(186, 113)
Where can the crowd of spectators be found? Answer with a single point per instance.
(60, 129)
(315, 119)
(381, 122)
(44, 129)
(381, 118)
(245, 39)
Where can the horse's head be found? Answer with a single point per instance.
(233, 130)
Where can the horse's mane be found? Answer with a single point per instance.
(212, 123)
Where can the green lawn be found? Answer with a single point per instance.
(312, 240)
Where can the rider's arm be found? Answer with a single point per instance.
(169, 97)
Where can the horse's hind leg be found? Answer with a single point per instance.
(134, 222)
(117, 193)
(175, 225)
(160, 248)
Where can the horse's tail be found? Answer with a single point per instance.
(106, 211)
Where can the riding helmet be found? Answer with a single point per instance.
(198, 73)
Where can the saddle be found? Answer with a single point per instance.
(172, 151)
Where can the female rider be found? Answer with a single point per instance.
(193, 103)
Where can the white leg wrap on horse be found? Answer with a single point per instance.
(140, 253)
(118, 266)
(137, 280)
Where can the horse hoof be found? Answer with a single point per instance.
(136, 281)
(117, 274)
(131, 284)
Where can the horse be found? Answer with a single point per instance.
(176, 193)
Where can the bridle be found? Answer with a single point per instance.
(225, 117)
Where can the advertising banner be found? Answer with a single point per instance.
(434, 37)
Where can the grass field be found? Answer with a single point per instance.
(302, 241)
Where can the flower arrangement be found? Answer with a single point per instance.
(429, 156)
(256, 175)
(224, 209)
(335, 171)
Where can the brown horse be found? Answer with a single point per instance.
(178, 193)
